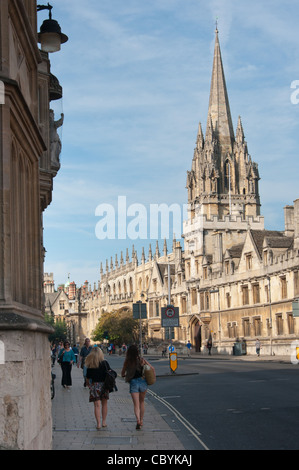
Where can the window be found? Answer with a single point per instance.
(227, 177)
(188, 271)
(284, 290)
(232, 330)
(202, 301)
(245, 295)
(279, 324)
(226, 267)
(61, 305)
(205, 273)
(265, 257)
(169, 333)
(246, 327)
(249, 262)
(207, 301)
(157, 309)
(184, 305)
(291, 323)
(256, 293)
(296, 283)
(228, 300)
(194, 297)
(257, 327)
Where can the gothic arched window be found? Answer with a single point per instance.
(227, 176)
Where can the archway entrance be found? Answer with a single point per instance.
(196, 334)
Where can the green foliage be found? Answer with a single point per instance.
(60, 329)
(120, 326)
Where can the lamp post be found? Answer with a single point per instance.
(140, 303)
(270, 303)
(50, 35)
(217, 291)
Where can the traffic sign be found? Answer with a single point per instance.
(139, 311)
(170, 317)
(173, 358)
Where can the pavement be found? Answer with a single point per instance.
(245, 358)
(74, 425)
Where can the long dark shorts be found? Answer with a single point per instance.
(66, 374)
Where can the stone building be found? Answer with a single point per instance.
(27, 170)
(233, 279)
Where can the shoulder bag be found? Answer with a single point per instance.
(149, 374)
(110, 382)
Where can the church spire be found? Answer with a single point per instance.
(219, 109)
(223, 180)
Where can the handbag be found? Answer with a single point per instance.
(149, 374)
(110, 383)
(60, 359)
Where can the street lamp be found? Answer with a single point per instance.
(270, 322)
(50, 35)
(140, 320)
(217, 291)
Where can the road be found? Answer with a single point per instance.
(229, 405)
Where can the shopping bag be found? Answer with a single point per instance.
(149, 374)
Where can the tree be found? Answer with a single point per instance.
(120, 326)
(60, 329)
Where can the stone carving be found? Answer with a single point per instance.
(55, 142)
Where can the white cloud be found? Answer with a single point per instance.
(136, 78)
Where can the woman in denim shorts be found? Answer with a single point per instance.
(132, 371)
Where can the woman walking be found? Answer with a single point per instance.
(97, 369)
(132, 371)
(66, 358)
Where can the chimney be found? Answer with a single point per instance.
(289, 221)
(72, 291)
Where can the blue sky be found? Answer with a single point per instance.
(136, 79)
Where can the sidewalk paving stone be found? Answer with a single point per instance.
(74, 425)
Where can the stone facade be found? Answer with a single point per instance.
(234, 280)
(27, 171)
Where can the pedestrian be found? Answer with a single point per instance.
(96, 370)
(76, 352)
(258, 347)
(85, 350)
(53, 354)
(67, 359)
(189, 347)
(209, 346)
(132, 371)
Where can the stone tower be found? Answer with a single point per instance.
(223, 179)
(223, 193)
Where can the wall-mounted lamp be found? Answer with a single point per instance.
(50, 35)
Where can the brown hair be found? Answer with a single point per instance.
(132, 356)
